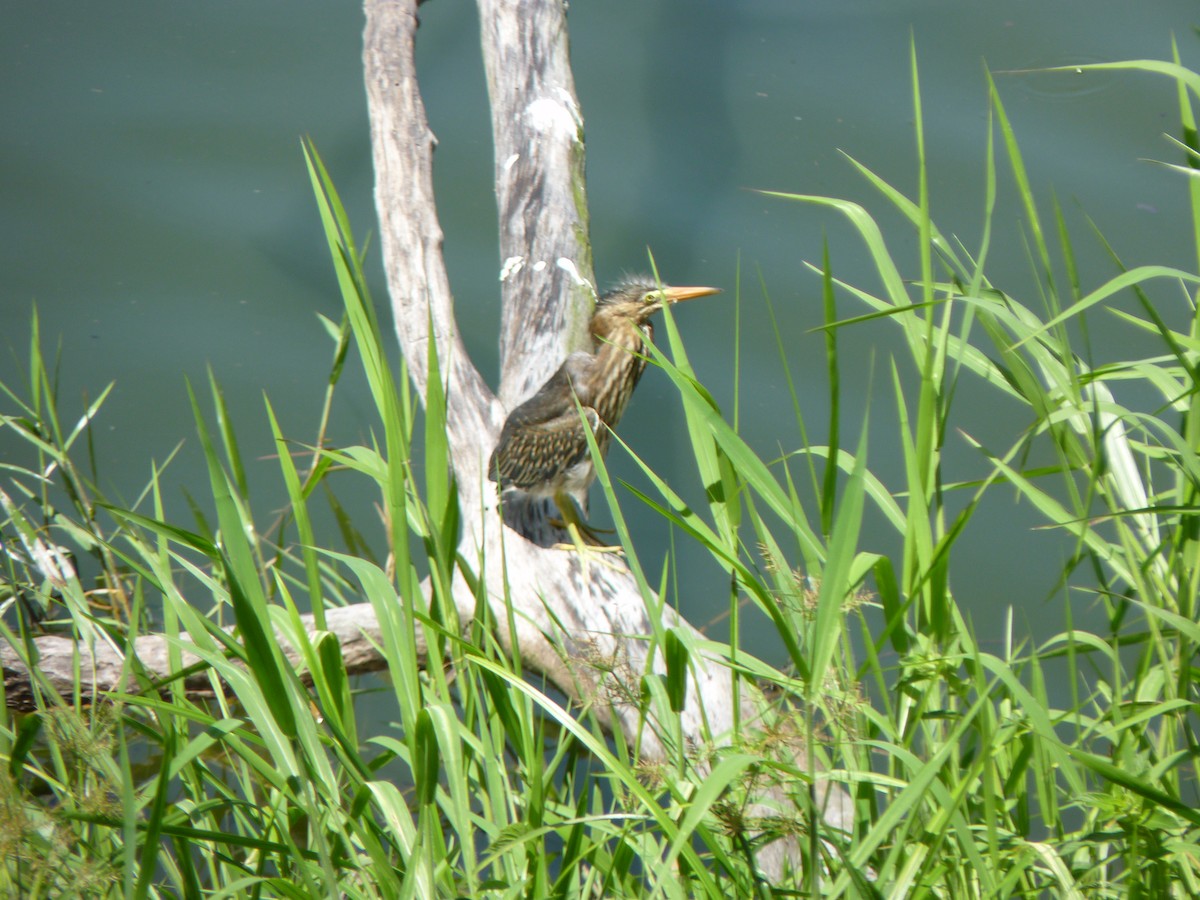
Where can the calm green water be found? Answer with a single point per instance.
(154, 205)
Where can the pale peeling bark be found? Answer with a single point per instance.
(547, 283)
(577, 621)
(105, 670)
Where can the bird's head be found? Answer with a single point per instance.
(639, 297)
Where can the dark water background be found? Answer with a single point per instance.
(154, 206)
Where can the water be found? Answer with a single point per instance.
(156, 209)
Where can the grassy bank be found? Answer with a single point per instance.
(973, 777)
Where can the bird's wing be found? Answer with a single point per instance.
(535, 451)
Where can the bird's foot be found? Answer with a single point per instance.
(587, 547)
(585, 540)
(581, 530)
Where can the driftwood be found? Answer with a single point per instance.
(576, 622)
(105, 670)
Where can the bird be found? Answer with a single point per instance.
(543, 449)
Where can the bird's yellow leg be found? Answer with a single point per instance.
(584, 538)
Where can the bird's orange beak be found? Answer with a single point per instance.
(676, 294)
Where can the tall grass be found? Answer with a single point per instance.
(971, 777)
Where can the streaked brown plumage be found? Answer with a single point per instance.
(543, 448)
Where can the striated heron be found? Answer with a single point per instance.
(543, 448)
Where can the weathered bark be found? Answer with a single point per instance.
(547, 284)
(105, 670)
